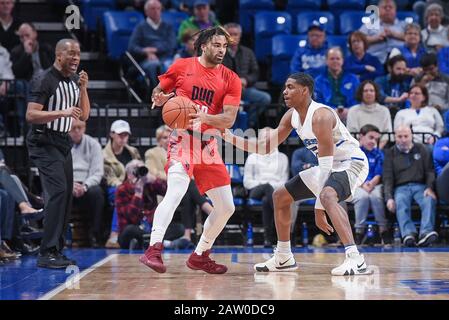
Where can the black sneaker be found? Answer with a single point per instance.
(70, 261)
(428, 239)
(386, 237)
(409, 241)
(52, 259)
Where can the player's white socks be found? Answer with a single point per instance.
(177, 184)
(223, 204)
(284, 248)
(352, 248)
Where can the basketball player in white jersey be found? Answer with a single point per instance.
(342, 168)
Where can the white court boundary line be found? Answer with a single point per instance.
(62, 287)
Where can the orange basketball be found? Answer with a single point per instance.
(175, 112)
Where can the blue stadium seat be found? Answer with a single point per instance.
(266, 25)
(351, 21)
(408, 16)
(339, 41)
(235, 172)
(175, 18)
(306, 19)
(247, 10)
(92, 11)
(284, 47)
(119, 26)
(242, 121)
(339, 5)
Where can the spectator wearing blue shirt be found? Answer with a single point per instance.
(155, 40)
(302, 159)
(395, 85)
(441, 154)
(311, 58)
(441, 163)
(412, 50)
(370, 193)
(446, 121)
(336, 88)
(443, 60)
(359, 62)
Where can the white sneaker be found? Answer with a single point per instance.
(277, 263)
(354, 264)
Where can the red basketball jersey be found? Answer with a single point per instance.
(210, 88)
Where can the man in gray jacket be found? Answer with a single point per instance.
(87, 174)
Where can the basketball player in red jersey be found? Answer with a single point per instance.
(216, 91)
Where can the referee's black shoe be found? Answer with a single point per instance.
(52, 259)
(70, 261)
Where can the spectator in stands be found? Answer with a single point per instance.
(201, 19)
(187, 48)
(360, 62)
(87, 174)
(8, 25)
(441, 155)
(155, 160)
(369, 194)
(155, 40)
(31, 56)
(136, 202)
(390, 33)
(369, 111)
(412, 50)
(443, 60)
(14, 89)
(6, 226)
(263, 174)
(395, 85)
(116, 155)
(5, 75)
(242, 61)
(10, 183)
(420, 117)
(409, 174)
(311, 58)
(302, 159)
(435, 35)
(420, 6)
(441, 160)
(336, 87)
(436, 82)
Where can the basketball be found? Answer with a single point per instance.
(175, 112)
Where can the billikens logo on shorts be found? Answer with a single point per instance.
(311, 144)
(202, 94)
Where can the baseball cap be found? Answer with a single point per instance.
(316, 25)
(200, 3)
(120, 126)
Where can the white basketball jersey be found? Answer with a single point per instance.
(346, 147)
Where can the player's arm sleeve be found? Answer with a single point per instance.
(234, 93)
(40, 90)
(167, 81)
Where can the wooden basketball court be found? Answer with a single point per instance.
(397, 275)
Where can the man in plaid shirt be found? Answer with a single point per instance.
(136, 202)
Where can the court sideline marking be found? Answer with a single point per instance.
(62, 287)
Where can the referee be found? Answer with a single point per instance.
(58, 95)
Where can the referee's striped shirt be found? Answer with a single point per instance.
(56, 92)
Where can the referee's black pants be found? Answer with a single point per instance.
(51, 153)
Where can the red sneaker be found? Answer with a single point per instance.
(152, 258)
(203, 262)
